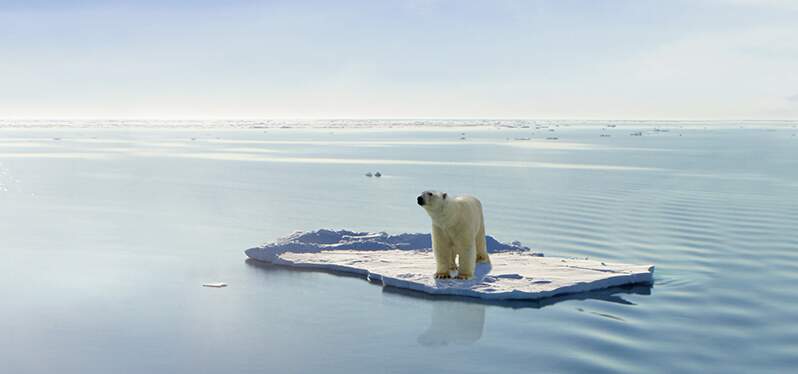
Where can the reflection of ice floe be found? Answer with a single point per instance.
(405, 261)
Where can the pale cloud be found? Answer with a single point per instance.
(741, 74)
(781, 4)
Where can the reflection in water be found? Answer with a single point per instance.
(454, 323)
(459, 320)
(612, 295)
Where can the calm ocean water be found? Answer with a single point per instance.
(107, 234)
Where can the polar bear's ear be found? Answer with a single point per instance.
(444, 195)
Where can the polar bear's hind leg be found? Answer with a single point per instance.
(482, 247)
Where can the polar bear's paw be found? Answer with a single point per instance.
(442, 275)
(483, 259)
(464, 276)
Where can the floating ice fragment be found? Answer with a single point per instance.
(215, 285)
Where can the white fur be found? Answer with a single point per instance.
(458, 230)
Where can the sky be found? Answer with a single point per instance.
(615, 59)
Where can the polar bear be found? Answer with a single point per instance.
(458, 230)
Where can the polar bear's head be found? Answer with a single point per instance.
(431, 200)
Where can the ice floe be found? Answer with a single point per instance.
(406, 261)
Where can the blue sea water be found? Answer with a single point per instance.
(107, 234)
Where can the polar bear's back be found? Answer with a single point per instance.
(469, 208)
(469, 201)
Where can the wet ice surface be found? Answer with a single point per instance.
(107, 234)
(406, 261)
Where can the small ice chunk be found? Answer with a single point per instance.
(215, 285)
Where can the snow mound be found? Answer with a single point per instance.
(406, 261)
(321, 240)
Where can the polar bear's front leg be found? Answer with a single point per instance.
(444, 253)
(467, 260)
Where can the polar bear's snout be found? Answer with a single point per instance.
(430, 199)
